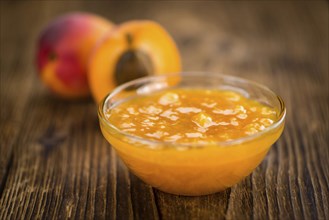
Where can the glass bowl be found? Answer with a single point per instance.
(192, 169)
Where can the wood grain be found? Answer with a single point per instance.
(55, 164)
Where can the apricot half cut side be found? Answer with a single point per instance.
(132, 50)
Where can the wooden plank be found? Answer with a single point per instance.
(15, 82)
(183, 207)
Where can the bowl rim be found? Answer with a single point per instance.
(166, 144)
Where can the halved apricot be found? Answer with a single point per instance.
(132, 50)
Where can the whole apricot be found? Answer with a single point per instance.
(63, 51)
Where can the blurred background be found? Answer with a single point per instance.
(240, 37)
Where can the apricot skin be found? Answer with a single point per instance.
(63, 51)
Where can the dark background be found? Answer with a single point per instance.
(54, 161)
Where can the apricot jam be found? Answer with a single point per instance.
(180, 140)
(191, 116)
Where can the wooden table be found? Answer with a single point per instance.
(55, 164)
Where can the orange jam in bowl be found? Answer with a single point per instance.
(195, 137)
